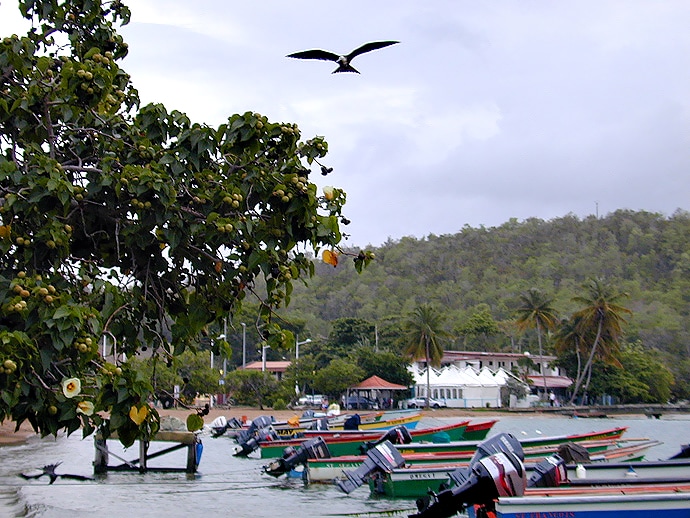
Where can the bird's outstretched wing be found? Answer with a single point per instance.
(368, 47)
(49, 470)
(29, 477)
(315, 54)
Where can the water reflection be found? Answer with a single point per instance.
(237, 485)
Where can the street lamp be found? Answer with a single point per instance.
(244, 345)
(297, 344)
(225, 360)
(263, 357)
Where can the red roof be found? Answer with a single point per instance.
(375, 382)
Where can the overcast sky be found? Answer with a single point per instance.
(484, 111)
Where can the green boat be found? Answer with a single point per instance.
(349, 442)
(417, 480)
(329, 469)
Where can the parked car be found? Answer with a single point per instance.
(360, 402)
(420, 402)
(311, 400)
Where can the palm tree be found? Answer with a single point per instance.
(536, 312)
(568, 339)
(602, 318)
(422, 332)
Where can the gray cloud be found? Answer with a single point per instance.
(485, 111)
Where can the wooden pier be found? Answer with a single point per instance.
(653, 411)
(189, 440)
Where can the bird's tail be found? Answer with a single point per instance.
(345, 68)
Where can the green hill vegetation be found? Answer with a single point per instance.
(478, 276)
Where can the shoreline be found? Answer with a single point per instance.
(10, 437)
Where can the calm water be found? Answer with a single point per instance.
(236, 486)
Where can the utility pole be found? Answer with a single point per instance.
(244, 345)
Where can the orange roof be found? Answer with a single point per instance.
(272, 366)
(375, 382)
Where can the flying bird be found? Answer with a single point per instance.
(345, 60)
(49, 470)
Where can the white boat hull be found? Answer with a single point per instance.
(670, 504)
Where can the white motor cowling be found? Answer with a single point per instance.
(487, 478)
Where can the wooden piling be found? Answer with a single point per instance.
(189, 440)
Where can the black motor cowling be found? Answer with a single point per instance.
(315, 448)
(397, 435)
(383, 457)
(260, 430)
(249, 444)
(551, 472)
(499, 443)
(352, 422)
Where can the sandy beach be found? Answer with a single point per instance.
(9, 436)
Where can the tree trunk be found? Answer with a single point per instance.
(588, 365)
(541, 359)
(428, 368)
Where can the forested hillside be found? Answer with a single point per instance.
(477, 276)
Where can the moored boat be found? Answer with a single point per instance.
(417, 479)
(533, 442)
(408, 421)
(430, 469)
(629, 501)
(350, 442)
(495, 484)
(478, 431)
(378, 420)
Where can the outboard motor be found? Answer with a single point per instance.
(501, 474)
(497, 444)
(397, 435)
(319, 424)
(250, 444)
(315, 448)
(551, 472)
(486, 478)
(260, 430)
(257, 424)
(352, 422)
(220, 425)
(383, 457)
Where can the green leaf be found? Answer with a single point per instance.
(194, 422)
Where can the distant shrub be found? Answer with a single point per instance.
(279, 404)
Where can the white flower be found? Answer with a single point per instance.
(71, 387)
(85, 407)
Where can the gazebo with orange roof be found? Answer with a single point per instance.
(376, 384)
